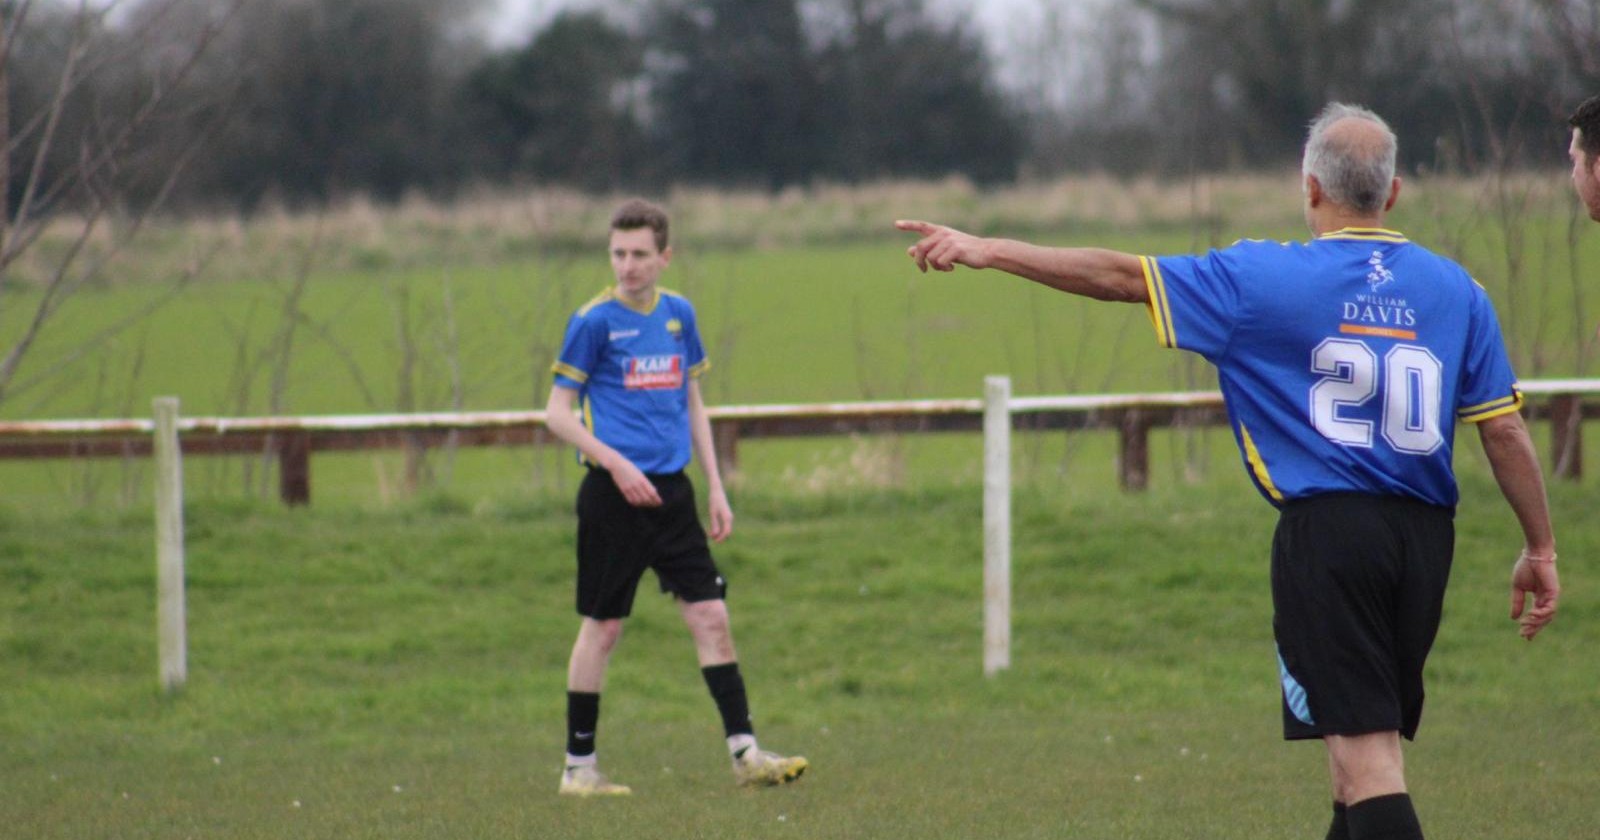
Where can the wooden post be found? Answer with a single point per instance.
(996, 524)
(171, 636)
(725, 439)
(1133, 461)
(294, 468)
(1566, 436)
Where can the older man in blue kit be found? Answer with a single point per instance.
(1345, 364)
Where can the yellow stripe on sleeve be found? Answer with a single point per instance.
(702, 367)
(569, 372)
(1158, 307)
(1494, 408)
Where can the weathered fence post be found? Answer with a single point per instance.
(172, 642)
(996, 524)
(294, 468)
(1566, 436)
(1133, 459)
(725, 440)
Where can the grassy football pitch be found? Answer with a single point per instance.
(398, 673)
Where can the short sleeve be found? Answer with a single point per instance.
(1488, 385)
(1194, 301)
(580, 351)
(694, 351)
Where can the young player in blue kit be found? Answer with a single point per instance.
(630, 361)
(1345, 364)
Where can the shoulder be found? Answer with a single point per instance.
(597, 305)
(1245, 258)
(677, 303)
(675, 298)
(1447, 269)
(1262, 246)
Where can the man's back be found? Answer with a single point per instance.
(1345, 361)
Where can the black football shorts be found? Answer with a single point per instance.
(1358, 587)
(617, 542)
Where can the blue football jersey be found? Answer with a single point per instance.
(631, 369)
(1345, 362)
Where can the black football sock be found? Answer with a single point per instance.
(1339, 829)
(1388, 817)
(583, 715)
(727, 688)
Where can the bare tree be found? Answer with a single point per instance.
(1573, 29)
(106, 82)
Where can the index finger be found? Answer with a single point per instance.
(914, 226)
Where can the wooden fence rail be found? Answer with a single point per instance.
(292, 441)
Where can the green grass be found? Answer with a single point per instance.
(843, 319)
(399, 673)
(395, 664)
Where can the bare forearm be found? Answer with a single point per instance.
(1090, 272)
(704, 443)
(1515, 463)
(564, 424)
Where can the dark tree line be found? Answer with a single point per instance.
(1216, 84)
(323, 98)
(334, 97)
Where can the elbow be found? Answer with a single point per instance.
(1505, 434)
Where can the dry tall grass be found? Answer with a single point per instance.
(500, 224)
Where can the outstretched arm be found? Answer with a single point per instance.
(1516, 468)
(1091, 272)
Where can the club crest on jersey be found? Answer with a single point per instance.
(653, 372)
(675, 327)
(1380, 275)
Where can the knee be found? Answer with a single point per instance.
(707, 619)
(1366, 766)
(604, 635)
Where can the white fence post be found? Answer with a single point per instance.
(170, 622)
(996, 524)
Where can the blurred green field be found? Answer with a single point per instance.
(336, 326)
(315, 328)
(399, 674)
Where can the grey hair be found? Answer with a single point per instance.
(1352, 173)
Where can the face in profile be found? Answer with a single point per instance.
(1585, 175)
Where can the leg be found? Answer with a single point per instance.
(586, 675)
(709, 626)
(1369, 778)
(1365, 766)
(591, 653)
(713, 645)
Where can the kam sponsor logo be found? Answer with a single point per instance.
(653, 372)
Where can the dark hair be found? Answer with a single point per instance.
(636, 213)
(1587, 121)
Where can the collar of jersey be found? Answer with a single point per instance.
(1379, 234)
(655, 298)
